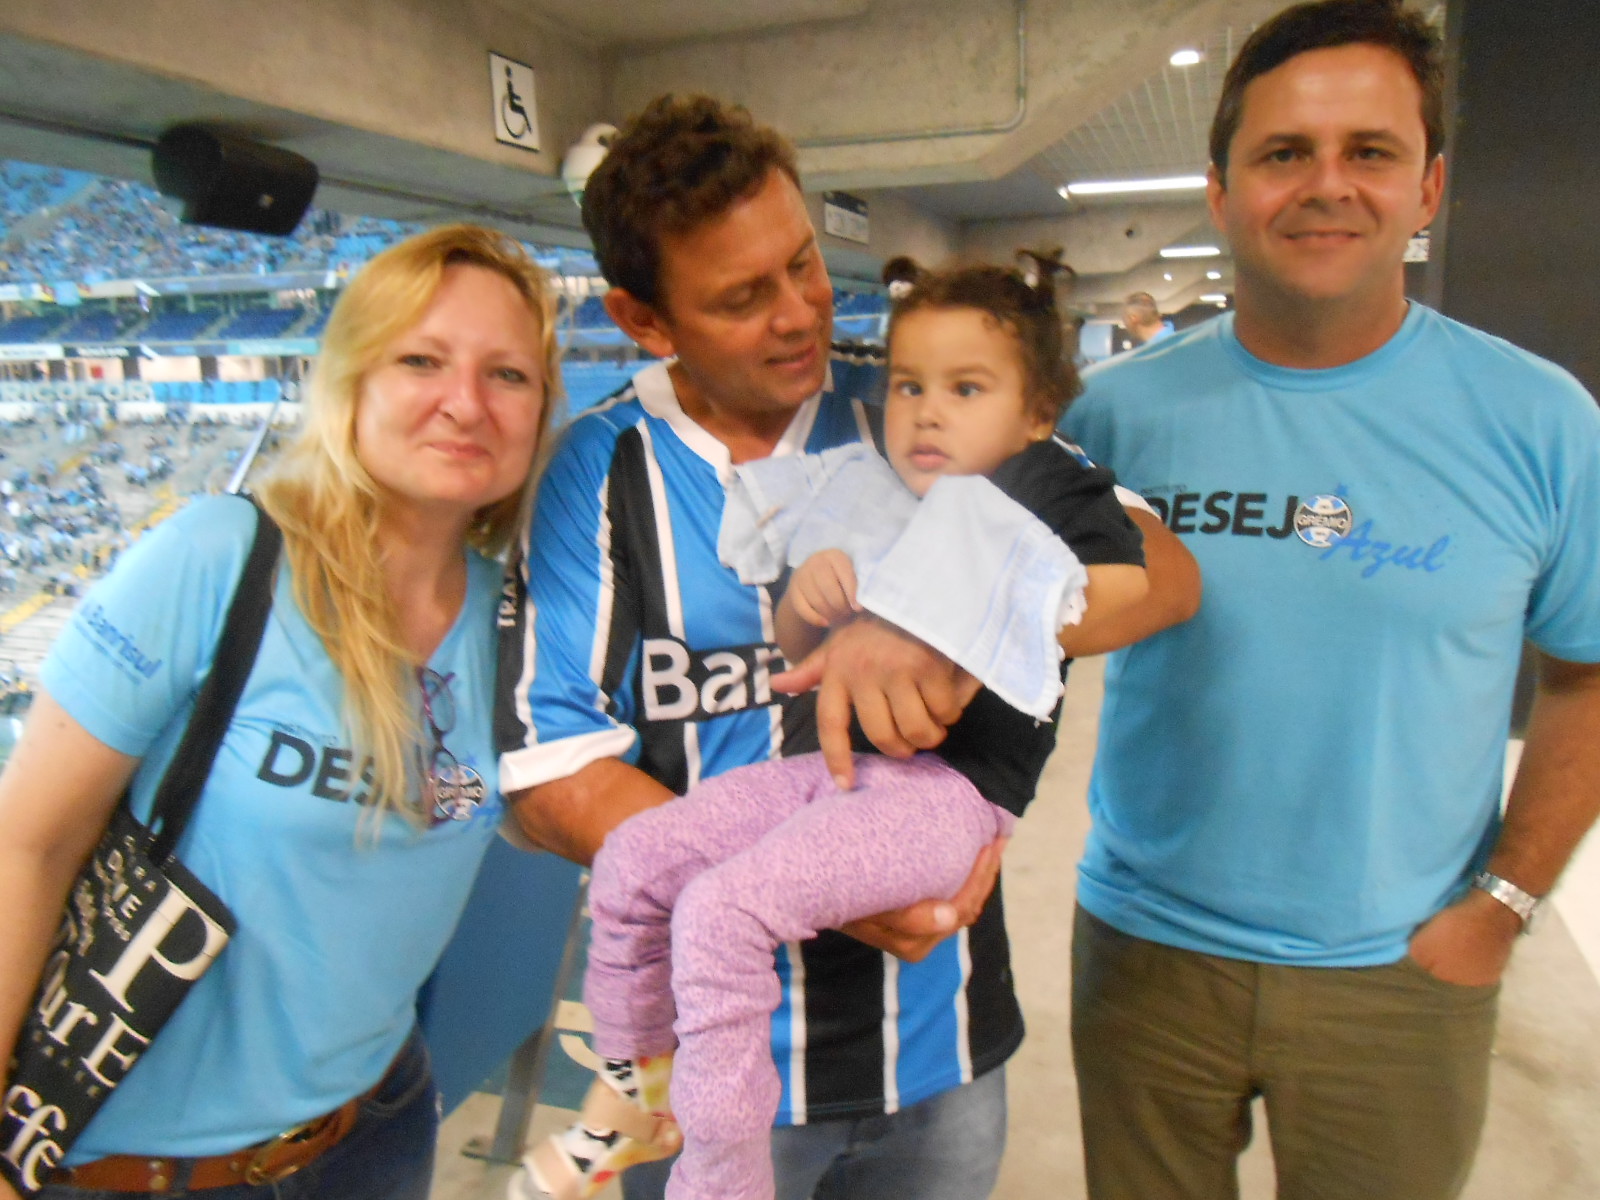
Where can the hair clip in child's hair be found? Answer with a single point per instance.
(900, 275)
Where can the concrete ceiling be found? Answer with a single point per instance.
(964, 115)
(612, 25)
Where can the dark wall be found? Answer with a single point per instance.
(1516, 249)
(1521, 239)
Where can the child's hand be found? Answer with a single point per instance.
(823, 589)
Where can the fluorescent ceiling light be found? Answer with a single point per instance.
(1191, 252)
(1213, 274)
(1186, 58)
(1175, 183)
(1214, 298)
(1167, 275)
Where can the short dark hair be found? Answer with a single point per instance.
(683, 161)
(1026, 308)
(1321, 26)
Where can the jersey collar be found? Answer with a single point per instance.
(659, 399)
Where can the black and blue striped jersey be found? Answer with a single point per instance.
(623, 635)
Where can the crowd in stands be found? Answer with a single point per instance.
(123, 230)
(26, 189)
(16, 693)
(66, 512)
(53, 520)
(114, 229)
(362, 238)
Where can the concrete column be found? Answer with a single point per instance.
(1519, 255)
(1515, 252)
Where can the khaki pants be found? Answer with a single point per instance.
(1375, 1079)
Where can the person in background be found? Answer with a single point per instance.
(1299, 884)
(348, 809)
(635, 665)
(1143, 320)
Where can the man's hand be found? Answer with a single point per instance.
(1468, 943)
(904, 692)
(823, 589)
(910, 934)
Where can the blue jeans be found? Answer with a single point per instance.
(388, 1155)
(946, 1148)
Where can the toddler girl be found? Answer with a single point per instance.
(690, 899)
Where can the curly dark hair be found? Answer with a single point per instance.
(683, 161)
(1322, 26)
(1023, 305)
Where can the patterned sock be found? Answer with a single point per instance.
(644, 1082)
(650, 1081)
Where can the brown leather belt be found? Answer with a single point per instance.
(272, 1160)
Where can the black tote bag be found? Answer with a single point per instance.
(138, 928)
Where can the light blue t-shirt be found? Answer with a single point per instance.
(316, 992)
(1312, 766)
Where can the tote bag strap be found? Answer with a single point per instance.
(213, 707)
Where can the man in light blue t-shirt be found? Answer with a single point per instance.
(1143, 320)
(1299, 884)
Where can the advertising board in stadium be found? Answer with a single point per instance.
(270, 347)
(64, 390)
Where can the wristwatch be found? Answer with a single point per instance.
(1524, 904)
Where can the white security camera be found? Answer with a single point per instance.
(584, 156)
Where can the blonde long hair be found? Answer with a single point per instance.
(328, 505)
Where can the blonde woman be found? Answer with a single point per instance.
(354, 794)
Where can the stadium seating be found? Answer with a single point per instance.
(590, 327)
(30, 329)
(587, 383)
(859, 316)
(178, 326)
(91, 327)
(261, 323)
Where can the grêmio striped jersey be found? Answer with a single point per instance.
(623, 636)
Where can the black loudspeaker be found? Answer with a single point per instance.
(232, 183)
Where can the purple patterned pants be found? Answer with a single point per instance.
(690, 900)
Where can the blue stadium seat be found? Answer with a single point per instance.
(30, 329)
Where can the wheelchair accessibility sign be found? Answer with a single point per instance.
(516, 121)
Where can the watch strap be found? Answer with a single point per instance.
(1524, 904)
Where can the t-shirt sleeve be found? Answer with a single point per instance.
(569, 635)
(141, 641)
(1564, 610)
(1077, 501)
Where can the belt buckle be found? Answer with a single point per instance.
(257, 1172)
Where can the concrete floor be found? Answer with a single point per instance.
(1542, 1141)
